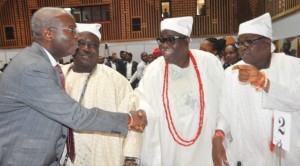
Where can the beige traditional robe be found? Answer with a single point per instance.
(108, 90)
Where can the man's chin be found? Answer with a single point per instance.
(168, 60)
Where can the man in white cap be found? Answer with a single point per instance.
(253, 89)
(99, 86)
(182, 107)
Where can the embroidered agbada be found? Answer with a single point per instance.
(108, 90)
(246, 115)
(159, 148)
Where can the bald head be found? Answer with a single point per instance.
(46, 17)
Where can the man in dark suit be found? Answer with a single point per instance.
(35, 111)
(130, 66)
(116, 63)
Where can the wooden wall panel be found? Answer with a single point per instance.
(15, 14)
(222, 17)
(150, 14)
(280, 8)
(114, 29)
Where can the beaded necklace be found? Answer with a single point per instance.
(165, 95)
(85, 84)
(81, 97)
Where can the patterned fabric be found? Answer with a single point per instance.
(70, 138)
(109, 90)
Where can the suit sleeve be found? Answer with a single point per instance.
(42, 92)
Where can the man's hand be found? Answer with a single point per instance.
(218, 152)
(248, 73)
(139, 121)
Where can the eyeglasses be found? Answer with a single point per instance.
(71, 30)
(247, 43)
(170, 40)
(82, 43)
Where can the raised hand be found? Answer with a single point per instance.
(248, 73)
(138, 122)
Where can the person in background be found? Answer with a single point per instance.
(150, 58)
(130, 66)
(142, 65)
(202, 11)
(214, 46)
(135, 79)
(92, 85)
(166, 13)
(182, 108)
(286, 46)
(256, 88)
(36, 114)
(123, 55)
(116, 63)
(231, 55)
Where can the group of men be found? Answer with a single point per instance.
(130, 69)
(193, 111)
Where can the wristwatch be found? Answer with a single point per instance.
(131, 161)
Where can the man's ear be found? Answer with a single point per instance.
(47, 34)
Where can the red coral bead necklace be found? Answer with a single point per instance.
(165, 96)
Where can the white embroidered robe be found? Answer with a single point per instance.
(159, 148)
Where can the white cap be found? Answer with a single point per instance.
(93, 28)
(261, 25)
(182, 25)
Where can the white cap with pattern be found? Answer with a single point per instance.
(93, 28)
(261, 25)
(182, 25)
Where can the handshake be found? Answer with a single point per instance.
(137, 120)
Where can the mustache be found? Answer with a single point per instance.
(167, 49)
(85, 53)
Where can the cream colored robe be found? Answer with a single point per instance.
(108, 90)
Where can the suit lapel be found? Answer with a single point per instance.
(40, 50)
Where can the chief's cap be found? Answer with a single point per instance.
(182, 25)
(261, 25)
(156, 52)
(93, 28)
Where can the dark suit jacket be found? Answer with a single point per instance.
(35, 110)
(120, 67)
(133, 67)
